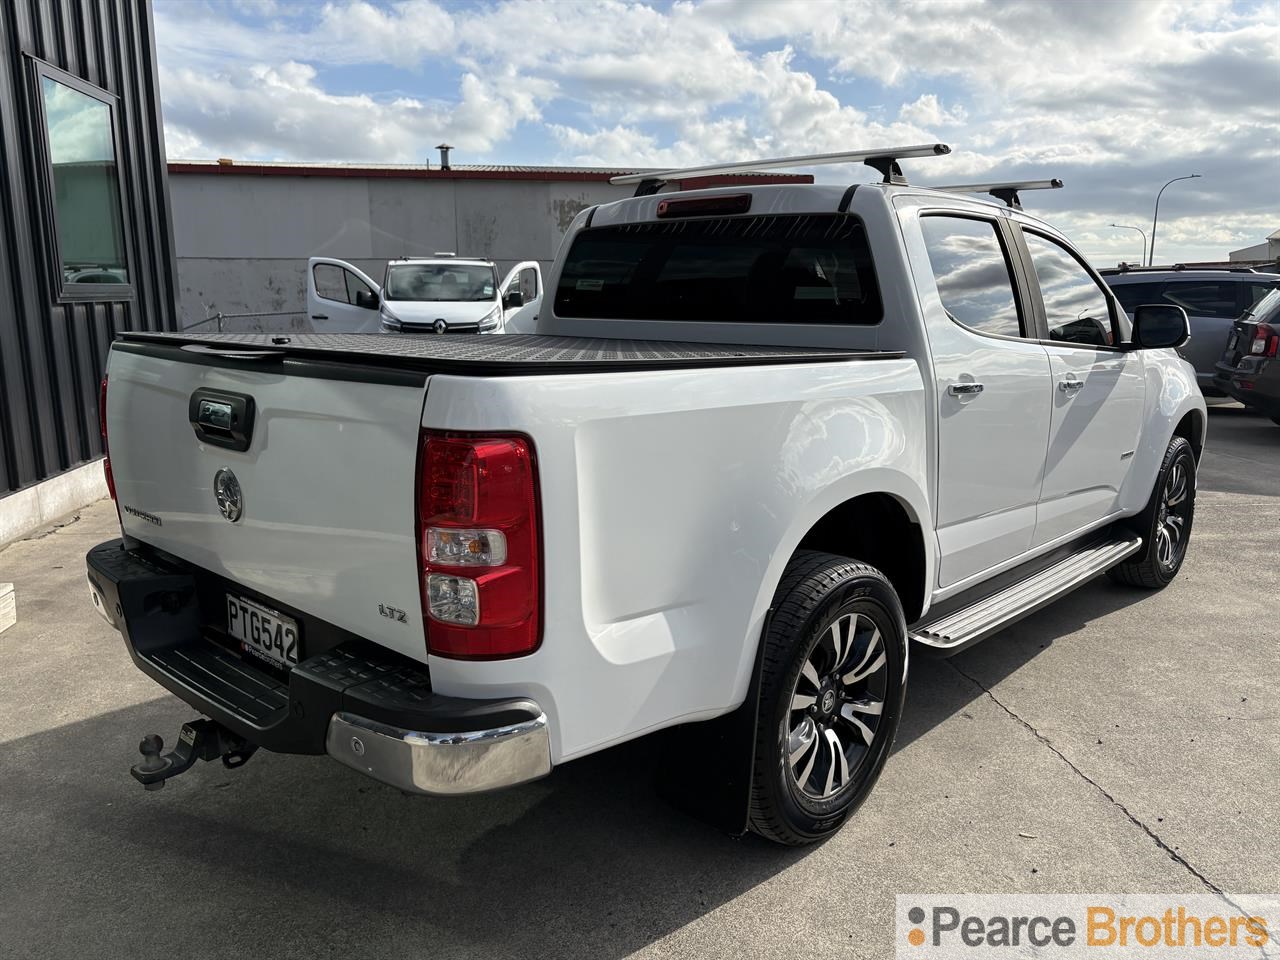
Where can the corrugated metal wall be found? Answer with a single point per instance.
(52, 354)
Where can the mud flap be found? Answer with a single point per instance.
(705, 768)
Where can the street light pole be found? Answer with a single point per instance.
(1129, 226)
(1156, 217)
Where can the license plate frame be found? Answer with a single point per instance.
(263, 633)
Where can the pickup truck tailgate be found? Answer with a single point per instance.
(327, 481)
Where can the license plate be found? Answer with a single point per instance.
(263, 633)
(1231, 344)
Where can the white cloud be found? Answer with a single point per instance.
(927, 111)
(402, 34)
(281, 111)
(1114, 97)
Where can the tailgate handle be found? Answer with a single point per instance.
(233, 354)
(222, 419)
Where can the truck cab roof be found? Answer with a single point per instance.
(793, 198)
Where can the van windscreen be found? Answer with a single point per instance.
(810, 268)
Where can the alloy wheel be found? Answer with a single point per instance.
(836, 707)
(1173, 516)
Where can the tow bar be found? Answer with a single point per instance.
(199, 740)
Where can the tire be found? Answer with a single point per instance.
(1172, 507)
(805, 659)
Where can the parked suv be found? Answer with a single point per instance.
(1213, 300)
(1249, 370)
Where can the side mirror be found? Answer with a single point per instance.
(1160, 325)
(513, 299)
(367, 300)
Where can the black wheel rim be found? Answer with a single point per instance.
(1173, 518)
(837, 707)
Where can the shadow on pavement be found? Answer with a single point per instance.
(299, 856)
(1240, 439)
(932, 694)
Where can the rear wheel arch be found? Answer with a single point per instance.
(880, 530)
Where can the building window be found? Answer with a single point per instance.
(82, 182)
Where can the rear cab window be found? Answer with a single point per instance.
(793, 269)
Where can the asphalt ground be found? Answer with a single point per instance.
(1117, 741)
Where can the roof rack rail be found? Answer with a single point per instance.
(1178, 267)
(885, 161)
(1005, 192)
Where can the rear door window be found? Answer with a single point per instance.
(1256, 291)
(972, 272)
(794, 269)
(1205, 298)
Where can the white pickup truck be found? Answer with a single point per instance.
(765, 440)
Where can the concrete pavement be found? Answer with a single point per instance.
(1116, 741)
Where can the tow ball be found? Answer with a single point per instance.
(198, 740)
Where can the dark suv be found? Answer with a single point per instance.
(1213, 300)
(1249, 369)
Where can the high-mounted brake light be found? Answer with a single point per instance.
(1266, 341)
(102, 426)
(704, 206)
(478, 544)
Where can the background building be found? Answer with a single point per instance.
(1266, 252)
(85, 242)
(244, 231)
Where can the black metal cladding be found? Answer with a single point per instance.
(52, 354)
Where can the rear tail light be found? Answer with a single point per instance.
(1266, 341)
(478, 543)
(102, 426)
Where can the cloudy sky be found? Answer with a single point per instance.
(1115, 97)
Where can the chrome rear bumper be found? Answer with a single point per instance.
(442, 764)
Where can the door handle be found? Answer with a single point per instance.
(319, 316)
(1070, 386)
(964, 389)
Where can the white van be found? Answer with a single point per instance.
(439, 294)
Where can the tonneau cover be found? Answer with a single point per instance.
(500, 355)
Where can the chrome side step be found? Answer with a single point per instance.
(954, 631)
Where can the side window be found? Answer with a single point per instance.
(84, 186)
(1134, 295)
(526, 281)
(1205, 298)
(354, 285)
(330, 283)
(529, 284)
(1256, 291)
(972, 273)
(1075, 305)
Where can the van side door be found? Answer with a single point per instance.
(340, 297)
(526, 278)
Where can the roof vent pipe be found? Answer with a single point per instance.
(444, 149)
